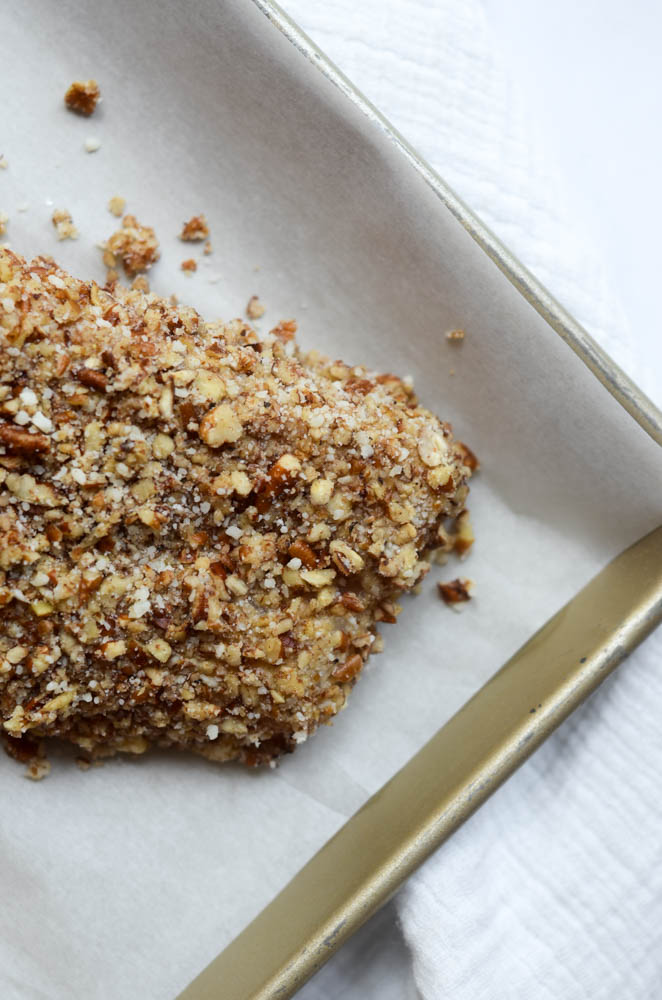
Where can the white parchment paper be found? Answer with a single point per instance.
(126, 880)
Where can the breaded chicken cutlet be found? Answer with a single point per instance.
(200, 530)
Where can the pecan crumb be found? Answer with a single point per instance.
(116, 206)
(454, 336)
(208, 249)
(464, 534)
(285, 330)
(189, 265)
(140, 284)
(93, 379)
(15, 439)
(195, 229)
(64, 226)
(468, 457)
(4, 219)
(136, 246)
(254, 309)
(455, 591)
(83, 96)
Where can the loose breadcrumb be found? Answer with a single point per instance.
(116, 206)
(135, 245)
(83, 97)
(255, 309)
(455, 335)
(195, 229)
(64, 226)
(455, 591)
(202, 530)
(92, 144)
(189, 266)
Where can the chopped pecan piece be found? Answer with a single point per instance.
(455, 591)
(83, 97)
(17, 440)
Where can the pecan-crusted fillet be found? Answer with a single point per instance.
(200, 529)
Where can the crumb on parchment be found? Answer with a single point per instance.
(208, 249)
(3, 162)
(255, 309)
(455, 336)
(116, 206)
(64, 226)
(136, 246)
(92, 144)
(206, 528)
(189, 266)
(285, 330)
(455, 591)
(196, 229)
(83, 97)
(4, 219)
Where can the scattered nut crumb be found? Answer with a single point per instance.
(464, 536)
(92, 144)
(37, 769)
(140, 284)
(208, 249)
(64, 225)
(3, 162)
(189, 265)
(455, 335)
(455, 591)
(116, 206)
(136, 246)
(4, 219)
(285, 330)
(195, 229)
(254, 309)
(83, 96)
(111, 276)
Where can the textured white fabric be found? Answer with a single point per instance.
(555, 888)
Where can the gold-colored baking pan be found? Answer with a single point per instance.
(380, 846)
(443, 784)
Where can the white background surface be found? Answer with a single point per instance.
(591, 76)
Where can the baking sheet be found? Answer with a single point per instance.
(126, 880)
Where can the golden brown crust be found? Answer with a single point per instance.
(200, 529)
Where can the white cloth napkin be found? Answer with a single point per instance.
(554, 889)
